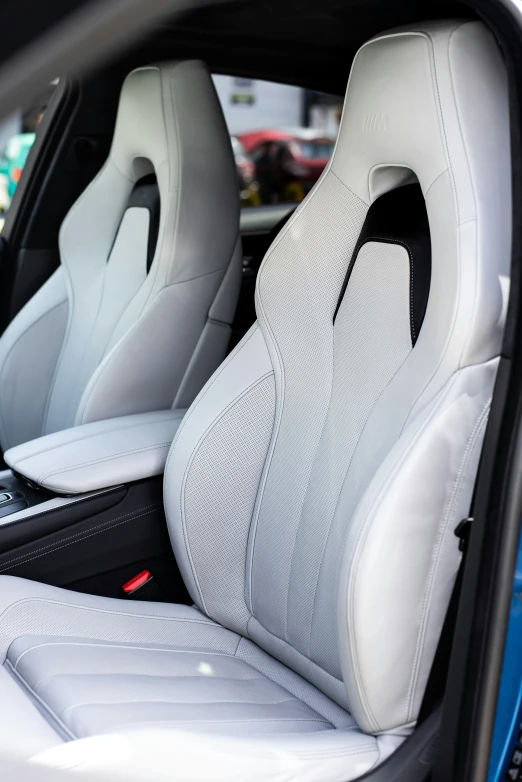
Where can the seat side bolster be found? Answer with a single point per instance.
(405, 524)
(29, 351)
(247, 366)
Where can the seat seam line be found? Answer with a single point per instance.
(86, 438)
(361, 434)
(6, 611)
(149, 676)
(145, 702)
(117, 645)
(79, 465)
(44, 705)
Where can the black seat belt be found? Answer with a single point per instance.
(439, 670)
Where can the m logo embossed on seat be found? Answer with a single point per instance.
(375, 122)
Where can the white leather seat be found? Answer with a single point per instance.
(314, 486)
(130, 324)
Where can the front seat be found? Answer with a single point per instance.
(314, 486)
(137, 317)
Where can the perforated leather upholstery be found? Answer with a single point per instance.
(313, 487)
(106, 336)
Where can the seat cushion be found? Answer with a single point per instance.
(95, 666)
(90, 687)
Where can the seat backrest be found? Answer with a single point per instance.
(315, 484)
(138, 315)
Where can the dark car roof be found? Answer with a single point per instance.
(299, 42)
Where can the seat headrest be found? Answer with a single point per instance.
(430, 103)
(170, 123)
(141, 125)
(154, 102)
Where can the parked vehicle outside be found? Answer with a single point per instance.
(287, 163)
(246, 170)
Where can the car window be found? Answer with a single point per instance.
(282, 137)
(17, 135)
(315, 150)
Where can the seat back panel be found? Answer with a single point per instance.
(384, 349)
(160, 221)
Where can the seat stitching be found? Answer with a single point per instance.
(204, 391)
(352, 192)
(280, 401)
(79, 540)
(10, 608)
(210, 383)
(359, 438)
(358, 749)
(338, 752)
(78, 536)
(306, 659)
(221, 721)
(441, 117)
(168, 91)
(449, 168)
(464, 146)
(435, 180)
(279, 404)
(84, 438)
(311, 473)
(173, 677)
(146, 701)
(79, 465)
(200, 276)
(240, 638)
(121, 646)
(285, 687)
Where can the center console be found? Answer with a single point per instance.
(83, 508)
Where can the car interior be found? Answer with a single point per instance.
(238, 443)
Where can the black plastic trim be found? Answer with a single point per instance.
(146, 195)
(96, 543)
(28, 530)
(400, 217)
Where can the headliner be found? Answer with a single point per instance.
(306, 42)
